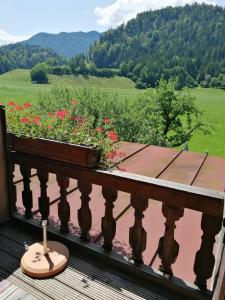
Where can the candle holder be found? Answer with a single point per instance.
(44, 259)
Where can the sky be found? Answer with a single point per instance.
(20, 19)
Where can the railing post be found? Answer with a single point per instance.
(4, 192)
(27, 195)
(108, 221)
(204, 259)
(168, 247)
(12, 186)
(137, 234)
(43, 200)
(63, 205)
(84, 213)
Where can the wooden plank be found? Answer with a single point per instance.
(150, 161)
(208, 201)
(184, 168)
(212, 174)
(90, 281)
(172, 289)
(81, 273)
(9, 291)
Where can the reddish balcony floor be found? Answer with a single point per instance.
(184, 167)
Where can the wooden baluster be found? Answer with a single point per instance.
(168, 247)
(204, 259)
(43, 200)
(137, 234)
(63, 205)
(12, 190)
(84, 213)
(27, 195)
(108, 221)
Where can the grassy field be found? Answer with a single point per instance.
(16, 85)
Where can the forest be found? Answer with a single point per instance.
(19, 56)
(186, 43)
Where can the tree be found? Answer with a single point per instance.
(167, 117)
(39, 74)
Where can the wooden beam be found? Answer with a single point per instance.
(4, 207)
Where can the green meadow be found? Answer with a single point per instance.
(16, 85)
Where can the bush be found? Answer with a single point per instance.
(39, 74)
(141, 85)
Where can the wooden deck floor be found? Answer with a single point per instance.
(82, 279)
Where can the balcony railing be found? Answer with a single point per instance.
(174, 197)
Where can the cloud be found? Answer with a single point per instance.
(123, 10)
(6, 38)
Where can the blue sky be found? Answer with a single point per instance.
(19, 18)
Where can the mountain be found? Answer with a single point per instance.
(65, 44)
(22, 56)
(185, 42)
(6, 38)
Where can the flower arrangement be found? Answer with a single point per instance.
(64, 125)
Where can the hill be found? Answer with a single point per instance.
(16, 85)
(185, 42)
(65, 44)
(17, 55)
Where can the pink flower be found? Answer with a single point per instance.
(1, 103)
(49, 127)
(106, 120)
(99, 129)
(24, 120)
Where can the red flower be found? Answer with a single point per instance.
(49, 127)
(19, 107)
(111, 155)
(113, 136)
(24, 120)
(99, 129)
(74, 118)
(106, 120)
(36, 119)
(61, 114)
(27, 105)
(11, 103)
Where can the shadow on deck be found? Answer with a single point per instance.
(82, 279)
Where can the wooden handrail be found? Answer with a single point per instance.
(195, 198)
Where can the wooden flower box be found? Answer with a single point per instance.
(84, 156)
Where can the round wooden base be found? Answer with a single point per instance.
(35, 264)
